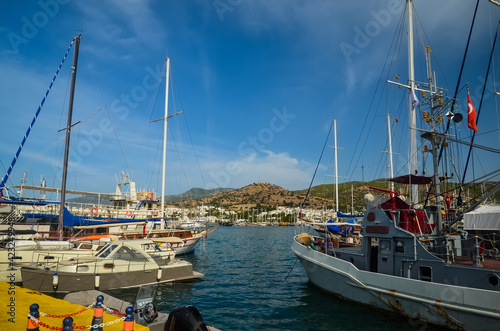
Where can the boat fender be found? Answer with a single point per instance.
(185, 318)
(55, 281)
(304, 239)
(481, 248)
(159, 274)
(312, 246)
(97, 281)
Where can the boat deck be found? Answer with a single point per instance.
(486, 264)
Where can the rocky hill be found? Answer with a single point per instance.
(195, 193)
(261, 195)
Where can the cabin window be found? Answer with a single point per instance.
(85, 246)
(385, 246)
(109, 266)
(82, 268)
(425, 273)
(106, 251)
(125, 253)
(399, 246)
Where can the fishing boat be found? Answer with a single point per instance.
(119, 264)
(411, 259)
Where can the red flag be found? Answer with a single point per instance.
(396, 120)
(472, 115)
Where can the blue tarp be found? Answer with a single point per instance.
(336, 229)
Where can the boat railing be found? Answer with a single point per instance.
(85, 263)
(455, 248)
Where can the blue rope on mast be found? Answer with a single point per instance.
(9, 170)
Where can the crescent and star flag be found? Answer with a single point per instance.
(472, 115)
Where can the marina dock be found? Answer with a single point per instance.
(16, 306)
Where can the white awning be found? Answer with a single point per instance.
(486, 217)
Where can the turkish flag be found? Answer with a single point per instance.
(472, 115)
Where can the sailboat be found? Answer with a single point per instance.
(134, 215)
(32, 273)
(411, 261)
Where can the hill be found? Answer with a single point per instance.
(261, 195)
(195, 193)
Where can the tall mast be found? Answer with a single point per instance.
(434, 103)
(68, 134)
(413, 116)
(336, 172)
(162, 224)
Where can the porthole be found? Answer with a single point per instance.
(494, 280)
(370, 217)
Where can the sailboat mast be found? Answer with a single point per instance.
(162, 224)
(336, 170)
(68, 134)
(413, 116)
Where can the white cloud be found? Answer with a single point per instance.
(276, 168)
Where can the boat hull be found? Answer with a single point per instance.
(423, 302)
(41, 280)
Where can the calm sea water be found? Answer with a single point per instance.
(253, 282)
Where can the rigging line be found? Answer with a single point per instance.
(194, 151)
(293, 266)
(317, 166)
(371, 105)
(9, 170)
(189, 132)
(92, 71)
(459, 78)
(435, 59)
(151, 105)
(480, 105)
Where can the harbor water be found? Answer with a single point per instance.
(254, 282)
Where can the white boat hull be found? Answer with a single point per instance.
(442, 304)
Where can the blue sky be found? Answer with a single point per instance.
(258, 82)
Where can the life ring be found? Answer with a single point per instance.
(155, 213)
(150, 195)
(94, 210)
(129, 213)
